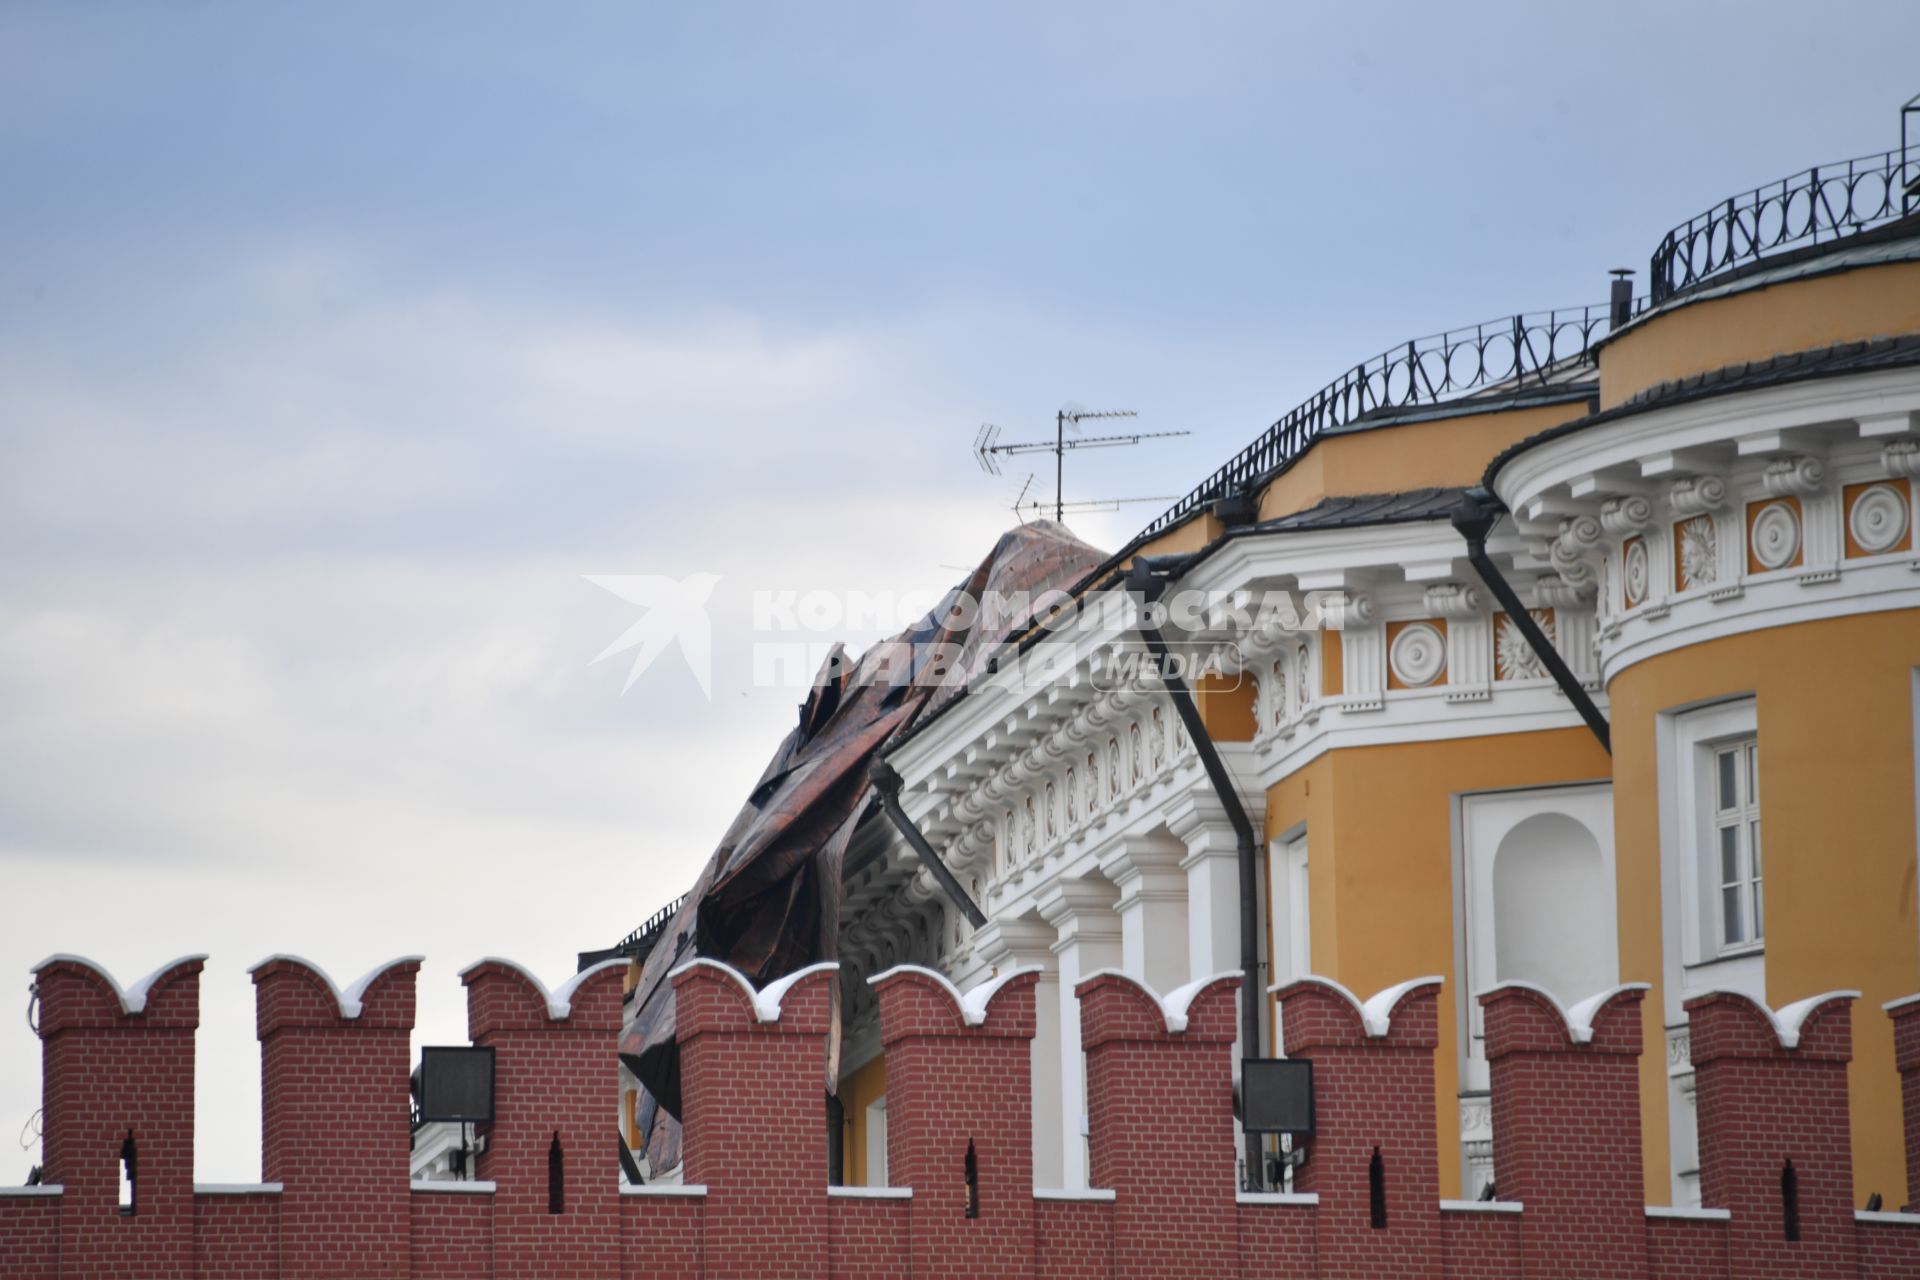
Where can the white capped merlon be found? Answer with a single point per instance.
(973, 1003)
(134, 998)
(1376, 1012)
(766, 1001)
(1174, 1004)
(1578, 1016)
(349, 1000)
(1788, 1018)
(560, 999)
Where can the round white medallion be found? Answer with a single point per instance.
(1636, 572)
(1878, 521)
(1776, 536)
(1418, 654)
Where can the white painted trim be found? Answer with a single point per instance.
(766, 1001)
(1578, 1017)
(134, 998)
(1787, 1019)
(1482, 1206)
(691, 1190)
(1376, 1012)
(973, 1004)
(1174, 1004)
(468, 1188)
(870, 1193)
(238, 1188)
(1889, 1218)
(1689, 1215)
(1277, 1197)
(44, 1189)
(1901, 1003)
(1098, 1194)
(560, 999)
(348, 1001)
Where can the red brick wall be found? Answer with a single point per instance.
(107, 1072)
(1485, 1246)
(1073, 1239)
(1760, 1105)
(1160, 1111)
(950, 1085)
(1370, 1093)
(1160, 1107)
(1686, 1249)
(869, 1239)
(237, 1237)
(1906, 1056)
(334, 1129)
(753, 1097)
(30, 1237)
(1566, 1130)
(452, 1234)
(661, 1237)
(555, 1079)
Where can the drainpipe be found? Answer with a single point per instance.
(886, 784)
(1474, 518)
(1143, 582)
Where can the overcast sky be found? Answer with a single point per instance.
(338, 344)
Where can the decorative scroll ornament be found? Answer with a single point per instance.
(1699, 552)
(1418, 654)
(1453, 600)
(1635, 572)
(1794, 476)
(1629, 514)
(1555, 591)
(1878, 518)
(1513, 657)
(1578, 536)
(1697, 495)
(1901, 458)
(1776, 536)
(1053, 822)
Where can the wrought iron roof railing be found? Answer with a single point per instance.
(1523, 349)
(1815, 206)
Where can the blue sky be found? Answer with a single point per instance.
(338, 343)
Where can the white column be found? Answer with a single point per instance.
(1081, 912)
(1212, 867)
(1013, 944)
(1152, 907)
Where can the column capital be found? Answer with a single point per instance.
(1145, 866)
(1080, 910)
(1007, 943)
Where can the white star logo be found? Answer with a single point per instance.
(675, 611)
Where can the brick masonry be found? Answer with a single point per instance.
(336, 1203)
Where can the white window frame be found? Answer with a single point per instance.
(1734, 822)
(1699, 736)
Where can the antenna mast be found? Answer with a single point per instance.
(989, 451)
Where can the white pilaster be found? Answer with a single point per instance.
(1088, 940)
(1009, 944)
(1152, 906)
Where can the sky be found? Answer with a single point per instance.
(341, 344)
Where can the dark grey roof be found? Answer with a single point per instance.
(1367, 509)
(1798, 366)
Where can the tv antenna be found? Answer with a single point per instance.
(988, 449)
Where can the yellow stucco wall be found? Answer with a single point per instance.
(1801, 315)
(1834, 703)
(860, 1089)
(1380, 867)
(1451, 451)
(1226, 707)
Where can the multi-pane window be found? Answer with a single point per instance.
(1736, 835)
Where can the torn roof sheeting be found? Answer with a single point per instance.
(768, 902)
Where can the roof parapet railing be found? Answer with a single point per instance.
(1815, 206)
(1519, 349)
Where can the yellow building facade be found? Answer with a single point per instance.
(1703, 502)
